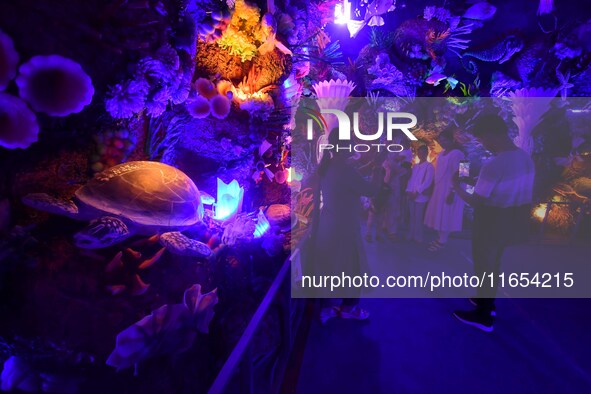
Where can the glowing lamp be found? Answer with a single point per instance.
(229, 200)
(540, 211)
(342, 13)
(262, 225)
(292, 175)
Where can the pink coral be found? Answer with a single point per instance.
(8, 60)
(199, 107)
(220, 106)
(18, 124)
(55, 85)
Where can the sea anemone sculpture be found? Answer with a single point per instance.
(331, 95)
(8, 60)
(127, 98)
(199, 107)
(528, 106)
(220, 106)
(18, 124)
(205, 88)
(55, 85)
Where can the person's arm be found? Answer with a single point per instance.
(487, 180)
(455, 157)
(473, 200)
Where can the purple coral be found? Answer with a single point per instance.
(199, 107)
(158, 102)
(220, 106)
(8, 60)
(127, 98)
(55, 85)
(18, 124)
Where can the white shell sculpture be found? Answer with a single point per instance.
(333, 95)
(528, 107)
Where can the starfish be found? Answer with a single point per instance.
(564, 83)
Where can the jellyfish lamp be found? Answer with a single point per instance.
(229, 200)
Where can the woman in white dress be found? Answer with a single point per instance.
(445, 210)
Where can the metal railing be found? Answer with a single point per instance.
(241, 355)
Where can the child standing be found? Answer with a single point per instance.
(418, 192)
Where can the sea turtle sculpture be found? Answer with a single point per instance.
(133, 198)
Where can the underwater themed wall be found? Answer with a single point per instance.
(148, 192)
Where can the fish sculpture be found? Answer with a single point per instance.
(480, 11)
(501, 52)
(373, 16)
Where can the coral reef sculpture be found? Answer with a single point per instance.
(528, 106)
(55, 85)
(18, 124)
(168, 330)
(8, 60)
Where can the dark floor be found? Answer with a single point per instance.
(416, 346)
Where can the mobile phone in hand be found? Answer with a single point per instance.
(464, 171)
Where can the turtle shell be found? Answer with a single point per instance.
(146, 192)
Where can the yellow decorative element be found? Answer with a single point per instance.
(243, 36)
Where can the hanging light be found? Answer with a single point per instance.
(342, 13)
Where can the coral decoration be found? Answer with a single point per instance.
(225, 87)
(127, 98)
(243, 33)
(205, 88)
(213, 27)
(333, 95)
(281, 176)
(55, 85)
(8, 60)
(332, 88)
(18, 124)
(528, 107)
(170, 329)
(113, 147)
(17, 374)
(545, 7)
(199, 107)
(220, 106)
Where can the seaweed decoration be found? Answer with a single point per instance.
(168, 330)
